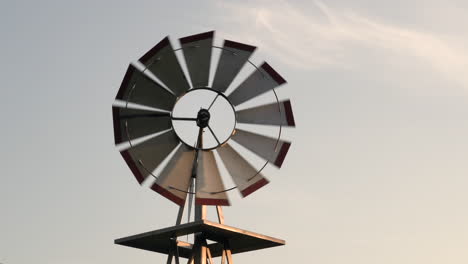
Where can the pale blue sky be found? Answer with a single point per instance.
(377, 172)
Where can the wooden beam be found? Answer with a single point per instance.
(219, 210)
(227, 249)
(223, 257)
(190, 260)
(200, 212)
(208, 254)
(199, 249)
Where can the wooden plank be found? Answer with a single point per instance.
(240, 240)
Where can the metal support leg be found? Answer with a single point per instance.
(174, 244)
(201, 253)
(169, 257)
(180, 214)
(176, 251)
(173, 252)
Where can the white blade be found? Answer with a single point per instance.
(209, 185)
(144, 158)
(174, 180)
(271, 114)
(263, 146)
(233, 57)
(260, 81)
(163, 63)
(246, 177)
(138, 123)
(138, 88)
(197, 54)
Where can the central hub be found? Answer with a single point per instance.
(203, 118)
(205, 110)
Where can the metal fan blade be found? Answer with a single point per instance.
(233, 57)
(144, 158)
(260, 81)
(197, 53)
(138, 123)
(138, 88)
(246, 177)
(209, 186)
(263, 146)
(174, 180)
(271, 114)
(163, 63)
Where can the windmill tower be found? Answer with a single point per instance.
(176, 130)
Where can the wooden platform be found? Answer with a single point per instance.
(163, 239)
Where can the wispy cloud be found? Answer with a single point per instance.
(318, 35)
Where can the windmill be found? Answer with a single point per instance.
(165, 129)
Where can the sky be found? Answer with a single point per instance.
(377, 168)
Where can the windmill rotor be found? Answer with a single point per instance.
(157, 113)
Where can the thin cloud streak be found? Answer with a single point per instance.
(318, 36)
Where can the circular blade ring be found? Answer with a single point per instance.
(264, 76)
